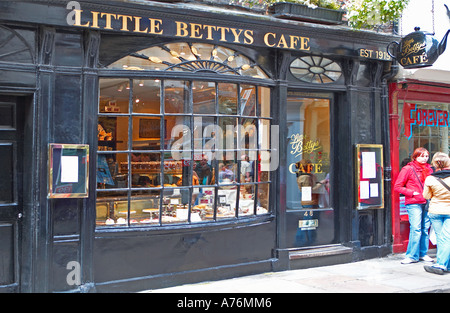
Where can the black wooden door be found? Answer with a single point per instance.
(11, 178)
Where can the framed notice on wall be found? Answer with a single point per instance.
(68, 170)
(369, 176)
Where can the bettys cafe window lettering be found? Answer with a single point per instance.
(308, 153)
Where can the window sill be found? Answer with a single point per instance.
(181, 228)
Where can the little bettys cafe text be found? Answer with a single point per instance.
(182, 29)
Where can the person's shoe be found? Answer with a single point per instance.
(408, 261)
(426, 258)
(433, 269)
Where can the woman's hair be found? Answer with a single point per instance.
(418, 152)
(440, 160)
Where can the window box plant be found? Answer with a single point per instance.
(369, 14)
(317, 11)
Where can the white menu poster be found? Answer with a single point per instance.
(69, 169)
(369, 169)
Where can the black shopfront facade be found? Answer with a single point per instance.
(148, 145)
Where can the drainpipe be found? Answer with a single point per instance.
(386, 151)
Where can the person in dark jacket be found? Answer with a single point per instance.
(410, 182)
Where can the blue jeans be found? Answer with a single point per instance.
(419, 224)
(441, 225)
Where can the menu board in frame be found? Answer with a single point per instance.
(68, 170)
(369, 176)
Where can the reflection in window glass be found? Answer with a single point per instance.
(200, 159)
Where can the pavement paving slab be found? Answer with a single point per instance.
(380, 275)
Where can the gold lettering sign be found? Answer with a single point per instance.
(299, 145)
(167, 27)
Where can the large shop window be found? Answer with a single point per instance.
(174, 151)
(422, 124)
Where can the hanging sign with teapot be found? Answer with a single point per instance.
(417, 49)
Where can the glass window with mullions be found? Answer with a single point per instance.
(181, 151)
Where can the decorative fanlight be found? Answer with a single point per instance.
(316, 70)
(191, 57)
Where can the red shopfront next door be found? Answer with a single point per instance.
(419, 117)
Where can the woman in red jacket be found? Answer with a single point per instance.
(410, 182)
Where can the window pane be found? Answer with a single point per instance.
(226, 202)
(175, 174)
(179, 51)
(228, 171)
(228, 126)
(146, 133)
(262, 204)
(114, 95)
(112, 170)
(264, 165)
(247, 200)
(202, 204)
(176, 99)
(248, 166)
(248, 100)
(145, 169)
(264, 102)
(204, 171)
(113, 133)
(176, 205)
(144, 208)
(248, 134)
(178, 136)
(204, 136)
(204, 97)
(146, 96)
(247, 169)
(228, 98)
(108, 206)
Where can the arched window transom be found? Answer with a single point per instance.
(191, 57)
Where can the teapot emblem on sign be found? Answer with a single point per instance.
(417, 49)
